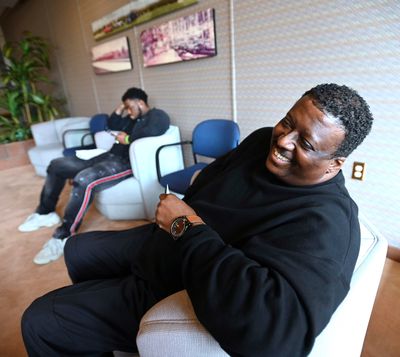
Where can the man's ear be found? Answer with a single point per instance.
(336, 164)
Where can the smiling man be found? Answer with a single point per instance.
(265, 242)
(304, 145)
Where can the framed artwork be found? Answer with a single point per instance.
(186, 38)
(112, 56)
(135, 13)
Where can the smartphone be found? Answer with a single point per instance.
(113, 133)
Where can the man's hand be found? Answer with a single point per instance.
(169, 208)
(120, 109)
(121, 138)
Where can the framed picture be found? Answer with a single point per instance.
(112, 56)
(134, 13)
(186, 38)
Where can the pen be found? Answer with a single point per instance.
(167, 190)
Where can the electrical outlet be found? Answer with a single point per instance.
(358, 171)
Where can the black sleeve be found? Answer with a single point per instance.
(266, 299)
(156, 123)
(118, 122)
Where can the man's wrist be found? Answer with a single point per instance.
(182, 223)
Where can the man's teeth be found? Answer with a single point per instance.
(281, 157)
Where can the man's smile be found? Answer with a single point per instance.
(280, 156)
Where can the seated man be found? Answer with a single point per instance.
(265, 242)
(94, 175)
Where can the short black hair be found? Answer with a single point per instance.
(135, 93)
(346, 105)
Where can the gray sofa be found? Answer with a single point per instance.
(50, 140)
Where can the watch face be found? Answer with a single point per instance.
(178, 227)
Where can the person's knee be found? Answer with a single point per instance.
(75, 255)
(52, 168)
(83, 179)
(67, 250)
(28, 320)
(70, 258)
(36, 317)
(55, 165)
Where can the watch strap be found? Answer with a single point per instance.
(193, 219)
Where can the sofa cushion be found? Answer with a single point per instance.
(40, 156)
(122, 201)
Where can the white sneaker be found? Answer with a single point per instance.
(36, 221)
(52, 250)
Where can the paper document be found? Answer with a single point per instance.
(88, 154)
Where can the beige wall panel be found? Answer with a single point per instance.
(281, 47)
(284, 48)
(72, 56)
(29, 15)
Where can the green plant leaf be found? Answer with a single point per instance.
(27, 64)
(5, 122)
(7, 50)
(38, 99)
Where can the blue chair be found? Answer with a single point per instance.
(97, 123)
(211, 138)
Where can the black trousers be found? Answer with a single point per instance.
(101, 312)
(89, 177)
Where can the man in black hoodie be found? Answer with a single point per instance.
(265, 242)
(93, 175)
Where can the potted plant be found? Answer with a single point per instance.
(26, 66)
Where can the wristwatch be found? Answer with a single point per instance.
(181, 224)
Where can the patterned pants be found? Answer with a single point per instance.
(89, 177)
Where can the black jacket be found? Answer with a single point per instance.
(155, 122)
(273, 262)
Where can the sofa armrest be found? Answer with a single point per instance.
(170, 328)
(142, 156)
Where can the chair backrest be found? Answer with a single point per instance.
(215, 137)
(98, 122)
(64, 124)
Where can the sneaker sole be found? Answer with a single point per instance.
(44, 262)
(24, 230)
